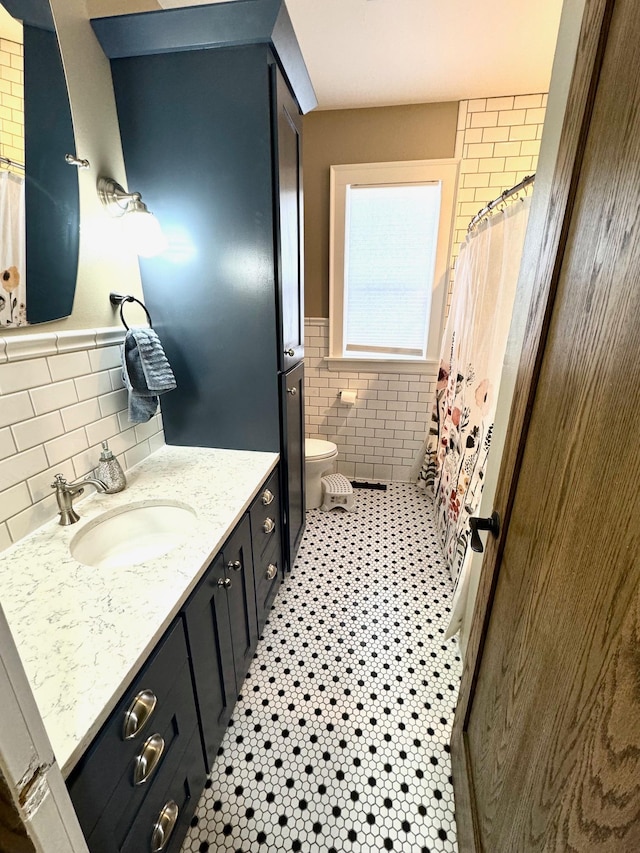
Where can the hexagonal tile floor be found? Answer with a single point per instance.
(339, 741)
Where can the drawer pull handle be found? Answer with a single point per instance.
(225, 582)
(236, 565)
(271, 572)
(267, 497)
(269, 525)
(164, 826)
(138, 714)
(148, 759)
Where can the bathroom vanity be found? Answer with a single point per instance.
(136, 668)
(210, 102)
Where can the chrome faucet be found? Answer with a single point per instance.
(66, 492)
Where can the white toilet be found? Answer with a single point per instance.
(319, 458)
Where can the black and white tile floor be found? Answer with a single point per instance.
(339, 741)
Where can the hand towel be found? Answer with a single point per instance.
(146, 372)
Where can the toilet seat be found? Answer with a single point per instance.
(317, 448)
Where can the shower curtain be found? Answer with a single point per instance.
(13, 291)
(472, 353)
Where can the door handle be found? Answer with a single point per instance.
(290, 352)
(292, 391)
(492, 524)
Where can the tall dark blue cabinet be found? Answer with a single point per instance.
(209, 101)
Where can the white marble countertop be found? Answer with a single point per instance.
(83, 633)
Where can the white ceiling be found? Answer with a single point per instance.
(363, 53)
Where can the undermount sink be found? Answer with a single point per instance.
(133, 534)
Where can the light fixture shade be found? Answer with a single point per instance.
(143, 233)
(141, 230)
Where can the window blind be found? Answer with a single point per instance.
(391, 235)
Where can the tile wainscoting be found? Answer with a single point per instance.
(61, 395)
(380, 436)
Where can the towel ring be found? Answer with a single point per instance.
(120, 299)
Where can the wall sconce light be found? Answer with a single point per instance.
(141, 228)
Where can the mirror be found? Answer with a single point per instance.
(39, 204)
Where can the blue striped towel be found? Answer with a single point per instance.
(146, 372)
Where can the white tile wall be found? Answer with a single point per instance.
(497, 142)
(61, 395)
(380, 436)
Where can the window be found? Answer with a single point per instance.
(390, 244)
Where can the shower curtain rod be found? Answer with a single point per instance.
(9, 162)
(524, 183)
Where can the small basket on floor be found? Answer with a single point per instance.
(337, 491)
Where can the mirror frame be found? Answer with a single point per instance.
(51, 185)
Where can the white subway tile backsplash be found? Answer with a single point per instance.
(47, 398)
(33, 517)
(7, 444)
(105, 358)
(66, 446)
(137, 453)
(80, 414)
(93, 385)
(51, 420)
(103, 429)
(114, 402)
(21, 466)
(14, 500)
(21, 375)
(15, 407)
(68, 365)
(37, 430)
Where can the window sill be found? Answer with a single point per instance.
(377, 365)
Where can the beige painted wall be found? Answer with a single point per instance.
(104, 264)
(377, 134)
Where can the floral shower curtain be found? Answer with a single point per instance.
(13, 295)
(472, 353)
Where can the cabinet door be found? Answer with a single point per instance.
(292, 402)
(241, 598)
(288, 144)
(210, 649)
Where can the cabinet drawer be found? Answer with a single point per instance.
(268, 572)
(171, 801)
(265, 516)
(110, 761)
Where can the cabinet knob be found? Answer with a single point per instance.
(236, 565)
(138, 714)
(292, 391)
(164, 826)
(225, 582)
(269, 525)
(267, 497)
(271, 572)
(290, 352)
(148, 759)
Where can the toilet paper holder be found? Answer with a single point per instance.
(347, 398)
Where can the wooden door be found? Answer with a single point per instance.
(546, 743)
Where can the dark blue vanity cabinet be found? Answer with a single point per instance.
(144, 772)
(222, 632)
(209, 102)
(147, 756)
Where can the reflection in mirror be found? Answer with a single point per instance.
(39, 207)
